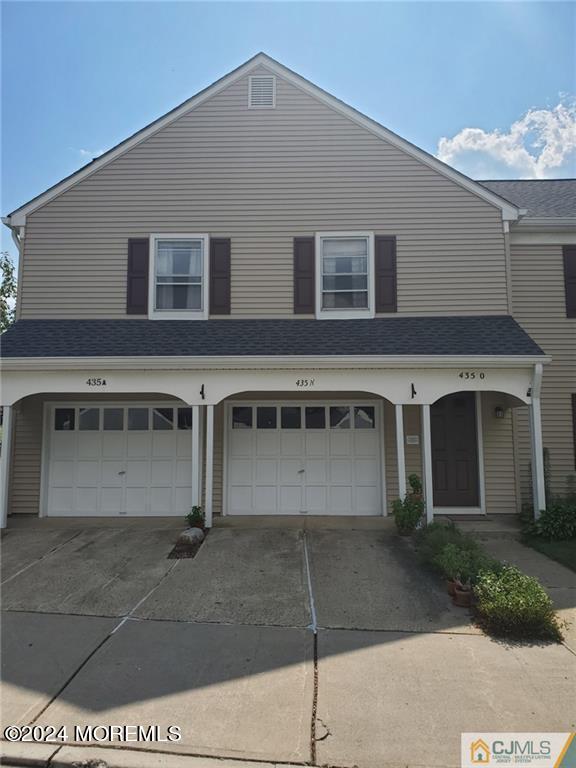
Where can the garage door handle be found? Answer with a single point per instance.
(301, 471)
(123, 472)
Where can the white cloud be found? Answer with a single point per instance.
(541, 145)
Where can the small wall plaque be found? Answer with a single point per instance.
(412, 439)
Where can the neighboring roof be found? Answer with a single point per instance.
(509, 211)
(486, 335)
(543, 198)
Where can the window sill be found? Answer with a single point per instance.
(366, 314)
(175, 315)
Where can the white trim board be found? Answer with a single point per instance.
(509, 211)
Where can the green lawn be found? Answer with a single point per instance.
(562, 551)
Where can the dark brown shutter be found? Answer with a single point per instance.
(385, 268)
(137, 282)
(569, 252)
(220, 276)
(304, 282)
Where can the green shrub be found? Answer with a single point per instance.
(514, 605)
(195, 518)
(557, 522)
(464, 564)
(407, 513)
(415, 484)
(432, 539)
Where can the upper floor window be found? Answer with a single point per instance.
(344, 274)
(179, 276)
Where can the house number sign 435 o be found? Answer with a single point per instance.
(468, 375)
(96, 382)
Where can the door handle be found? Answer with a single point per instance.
(122, 472)
(301, 471)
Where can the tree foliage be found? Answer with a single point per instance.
(7, 291)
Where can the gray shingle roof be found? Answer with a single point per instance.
(546, 198)
(485, 335)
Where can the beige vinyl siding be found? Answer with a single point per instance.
(262, 177)
(540, 307)
(499, 468)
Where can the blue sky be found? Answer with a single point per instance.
(77, 77)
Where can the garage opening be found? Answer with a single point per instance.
(298, 458)
(118, 459)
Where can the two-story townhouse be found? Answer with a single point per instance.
(267, 303)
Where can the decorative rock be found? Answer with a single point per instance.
(191, 536)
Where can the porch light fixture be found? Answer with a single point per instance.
(499, 412)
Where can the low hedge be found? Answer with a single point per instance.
(508, 602)
(556, 523)
(512, 604)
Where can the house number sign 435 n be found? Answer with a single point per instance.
(96, 382)
(305, 383)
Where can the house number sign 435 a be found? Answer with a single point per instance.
(96, 382)
(468, 375)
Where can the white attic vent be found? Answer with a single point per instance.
(262, 92)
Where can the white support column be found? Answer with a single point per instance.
(196, 466)
(209, 465)
(427, 463)
(400, 451)
(538, 487)
(5, 462)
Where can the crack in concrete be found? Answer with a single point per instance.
(42, 557)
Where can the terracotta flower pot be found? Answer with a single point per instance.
(462, 596)
(451, 587)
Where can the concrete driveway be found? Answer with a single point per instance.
(330, 647)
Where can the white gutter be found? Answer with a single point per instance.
(247, 362)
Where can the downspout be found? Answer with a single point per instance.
(18, 238)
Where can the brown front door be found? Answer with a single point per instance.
(455, 451)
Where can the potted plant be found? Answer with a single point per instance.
(195, 518)
(415, 486)
(407, 513)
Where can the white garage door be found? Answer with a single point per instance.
(119, 460)
(304, 458)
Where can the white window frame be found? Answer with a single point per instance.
(262, 106)
(179, 314)
(342, 314)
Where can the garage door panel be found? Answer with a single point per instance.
(366, 499)
(267, 443)
(136, 501)
(290, 499)
(291, 443)
(87, 500)
(112, 472)
(88, 473)
(265, 499)
(114, 444)
(138, 444)
(316, 471)
(266, 471)
(316, 499)
(111, 500)
(241, 499)
(340, 471)
(340, 442)
(316, 443)
(63, 445)
(137, 472)
(240, 471)
(366, 471)
(62, 473)
(61, 500)
(241, 442)
(365, 442)
(161, 501)
(89, 445)
(341, 500)
(100, 467)
(290, 471)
